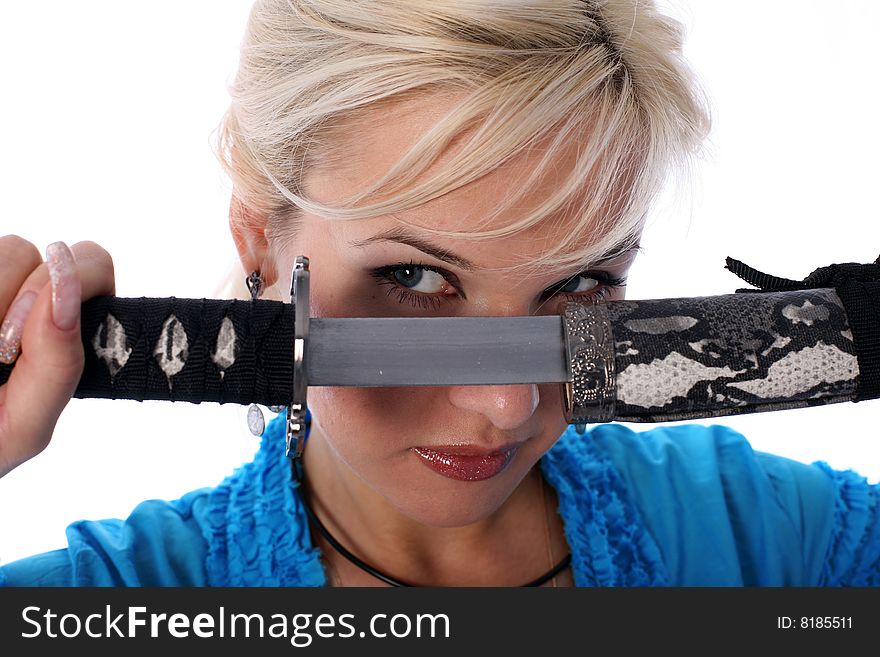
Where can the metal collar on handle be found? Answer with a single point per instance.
(296, 411)
(591, 393)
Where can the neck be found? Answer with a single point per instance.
(518, 542)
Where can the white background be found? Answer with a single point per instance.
(107, 111)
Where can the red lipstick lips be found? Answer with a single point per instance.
(465, 462)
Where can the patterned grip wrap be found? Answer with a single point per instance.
(674, 359)
(681, 359)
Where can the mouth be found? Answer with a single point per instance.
(465, 462)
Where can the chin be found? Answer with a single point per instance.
(436, 501)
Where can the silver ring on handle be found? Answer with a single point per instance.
(296, 411)
(591, 392)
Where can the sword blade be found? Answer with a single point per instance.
(436, 351)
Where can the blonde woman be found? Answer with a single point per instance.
(443, 158)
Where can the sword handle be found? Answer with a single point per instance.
(195, 350)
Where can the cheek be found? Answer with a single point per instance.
(375, 422)
(552, 414)
(344, 412)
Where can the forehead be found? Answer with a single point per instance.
(375, 141)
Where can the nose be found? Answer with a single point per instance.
(507, 407)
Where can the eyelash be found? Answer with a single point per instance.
(384, 276)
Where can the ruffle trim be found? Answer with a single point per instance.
(853, 557)
(610, 544)
(257, 529)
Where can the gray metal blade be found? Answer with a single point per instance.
(435, 351)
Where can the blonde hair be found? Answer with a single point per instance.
(609, 73)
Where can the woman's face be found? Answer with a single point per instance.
(444, 456)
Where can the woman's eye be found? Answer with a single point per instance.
(579, 284)
(421, 286)
(419, 279)
(588, 286)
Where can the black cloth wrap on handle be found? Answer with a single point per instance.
(262, 328)
(858, 286)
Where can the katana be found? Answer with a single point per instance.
(788, 344)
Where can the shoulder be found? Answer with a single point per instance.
(719, 512)
(693, 455)
(708, 457)
(160, 543)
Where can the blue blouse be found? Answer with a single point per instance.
(686, 505)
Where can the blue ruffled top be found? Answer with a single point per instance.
(686, 505)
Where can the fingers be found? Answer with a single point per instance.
(95, 268)
(24, 274)
(19, 258)
(46, 309)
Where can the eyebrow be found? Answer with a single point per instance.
(403, 236)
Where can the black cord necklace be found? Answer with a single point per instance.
(297, 470)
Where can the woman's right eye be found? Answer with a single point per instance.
(421, 286)
(419, 279)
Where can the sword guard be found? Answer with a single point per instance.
(297, 410)
(590, 393)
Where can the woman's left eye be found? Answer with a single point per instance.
(579, 284)
(589, 286)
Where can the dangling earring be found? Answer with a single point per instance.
(254, 284)
(255, 420)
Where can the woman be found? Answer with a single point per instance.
(456, 160)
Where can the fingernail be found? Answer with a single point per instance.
(66, 290)
(13, 326)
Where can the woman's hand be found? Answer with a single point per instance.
(40, 303)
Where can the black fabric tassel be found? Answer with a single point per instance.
(858, 286)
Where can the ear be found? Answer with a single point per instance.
(248, 227)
